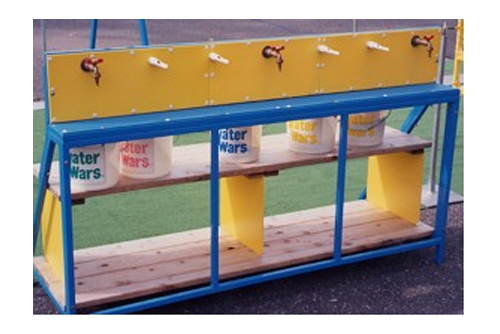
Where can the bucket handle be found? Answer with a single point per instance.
(380, 121)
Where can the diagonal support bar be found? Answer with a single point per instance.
(43, 177)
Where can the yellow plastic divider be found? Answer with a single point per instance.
(52, 236)
(242, 210)
(395, 183)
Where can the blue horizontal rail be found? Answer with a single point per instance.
(135, 127)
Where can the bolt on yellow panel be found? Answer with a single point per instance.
(242, 210)
(52, 237)
(129, 84)
(395, 184)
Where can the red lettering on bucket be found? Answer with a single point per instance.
(133, 148)
(132, 162)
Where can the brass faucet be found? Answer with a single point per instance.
(274, 52)
(424, 41)
(91, 65)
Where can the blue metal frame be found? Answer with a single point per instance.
(341, 176)
(94, 26)
(43, 177)
(88, 133)
(67, 228)
(413, 118)
(445, 177)
(143, 30)
(214, 209)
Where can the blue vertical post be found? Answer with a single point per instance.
(341, 175)
(214, 209)
(94, 25)
(67, 229)
(43, 177)
(445, 177)
(143, 30)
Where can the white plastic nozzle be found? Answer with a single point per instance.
(375, 46)
(327, 50)
(157, 63)
(218, 58)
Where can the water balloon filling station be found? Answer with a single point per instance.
(112, 114)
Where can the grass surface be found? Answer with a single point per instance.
(158, 211)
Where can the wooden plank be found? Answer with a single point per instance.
(359, 212)
(139, 268)
(55, 285)
(192, 163)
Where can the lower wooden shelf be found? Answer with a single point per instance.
(140, 268)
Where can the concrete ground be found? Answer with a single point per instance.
(409, 283)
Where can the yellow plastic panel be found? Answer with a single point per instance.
(252, 77)
(242, 210)
(129, 84)
(52, 235)
(359, 68)
(395, 184)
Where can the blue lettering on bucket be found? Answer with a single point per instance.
(225, 147)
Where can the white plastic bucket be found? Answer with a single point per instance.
(95, 167)
(312, 136)
(146, 159)
(367, 129)
(240, 145)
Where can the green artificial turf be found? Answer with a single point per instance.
(141, 214)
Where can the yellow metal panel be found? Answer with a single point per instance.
(359, 68)
(395, 184)
(251, 77)
(129, 84)
(52, 235)
(242, 210)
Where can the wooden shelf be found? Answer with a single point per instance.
(140, 268)
(192, 163)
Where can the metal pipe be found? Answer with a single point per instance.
(445, 176)
(44, 35)
(354, 25)
(341, 175)
(214, 209)
(437, 117)
(143, 30)
(43, 177)
(94, 25)
(67, 229)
